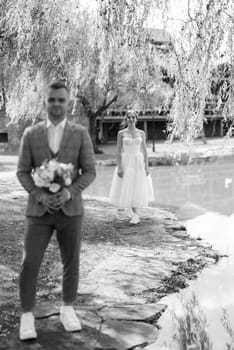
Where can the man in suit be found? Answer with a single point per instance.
(70, 143)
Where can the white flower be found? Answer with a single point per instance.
(53, 164)
(68, 181)
(47, 175)
(39, 182)
(54, 187)
(67, 167)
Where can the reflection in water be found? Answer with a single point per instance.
(190, 328)
(229, 329)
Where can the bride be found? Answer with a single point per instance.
(131, 184)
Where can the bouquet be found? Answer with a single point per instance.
(53, 175)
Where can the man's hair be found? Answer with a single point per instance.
(58, 84)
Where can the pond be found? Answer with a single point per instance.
(203, 196)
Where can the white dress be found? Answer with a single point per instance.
(135, 188)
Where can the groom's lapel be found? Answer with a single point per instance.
(44, 140)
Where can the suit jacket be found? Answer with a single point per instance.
(75, 148)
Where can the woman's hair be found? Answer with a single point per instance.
(130, 112)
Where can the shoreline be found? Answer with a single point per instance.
(179, 158)
(165, 154)
(115, 258)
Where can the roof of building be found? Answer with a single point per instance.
(159, 36)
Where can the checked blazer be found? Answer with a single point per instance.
(75, 148)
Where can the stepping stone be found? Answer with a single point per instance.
(130, 334)
(46, 310)
(89, 318)
(88, 315)
(52, 336)
(133, 312)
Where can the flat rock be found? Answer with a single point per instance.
(89, 318)
(130, 334)
(88, 315)
(46, 310)
(51, 336)
(133, 312)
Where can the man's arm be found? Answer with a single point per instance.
(86, 164)
(24, 168)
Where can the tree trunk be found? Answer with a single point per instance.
(92, 131)
(93, 115)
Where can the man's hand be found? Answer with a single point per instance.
(60, 198)
(47, 201)
(147, 171)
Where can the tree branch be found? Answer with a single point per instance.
(85, 103)
(104, 106)
(230, 16)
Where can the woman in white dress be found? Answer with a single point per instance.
(132, 184)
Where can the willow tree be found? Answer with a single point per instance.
(99, 52)
(197, 47)
(225, 92)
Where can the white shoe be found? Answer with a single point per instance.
(135, 219)
(27, 326)
(69, 319)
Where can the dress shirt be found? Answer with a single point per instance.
(55, 134)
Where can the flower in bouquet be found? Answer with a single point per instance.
(53, 175)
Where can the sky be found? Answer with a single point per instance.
(178, 10)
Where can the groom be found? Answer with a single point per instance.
(70, 143)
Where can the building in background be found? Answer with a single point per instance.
(154, 124)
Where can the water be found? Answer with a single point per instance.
(203, 196)
(188, 189)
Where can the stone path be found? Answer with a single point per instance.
(101, 329)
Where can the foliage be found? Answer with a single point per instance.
(195, 51)
(103, 53)
(107, 57)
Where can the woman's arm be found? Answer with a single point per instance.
(119, 154)
(144, 151)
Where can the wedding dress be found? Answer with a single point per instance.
(135, 188)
